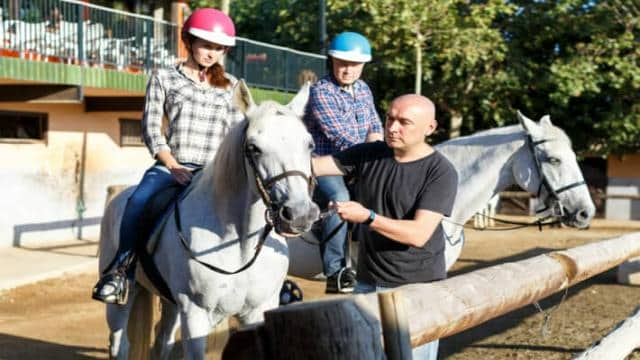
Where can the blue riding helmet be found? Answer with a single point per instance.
(350, 46)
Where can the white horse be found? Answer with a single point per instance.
(536, 156)
(261, 172)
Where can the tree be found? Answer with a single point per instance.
(194, 4)
(582, 66)
(449, 46)
(481, 60)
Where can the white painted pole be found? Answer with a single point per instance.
(629, 272)
(618, 343)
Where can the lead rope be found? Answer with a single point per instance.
(323, 215)
(544, 330)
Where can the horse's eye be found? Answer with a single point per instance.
(311, 146)
(554, 161)
(254, 150)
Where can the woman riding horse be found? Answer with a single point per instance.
(196, 98)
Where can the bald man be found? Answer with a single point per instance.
(403, 189)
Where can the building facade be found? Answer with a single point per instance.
(72, 82)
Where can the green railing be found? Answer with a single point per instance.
(75, 33)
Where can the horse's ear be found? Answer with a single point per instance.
(546, 121)
(241, 97)
(299, 102)
(529, 125)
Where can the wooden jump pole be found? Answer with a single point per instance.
(395, 327)
(438, 309)
(444, 308)
(619, 343)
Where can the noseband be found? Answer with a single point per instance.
(552, 201)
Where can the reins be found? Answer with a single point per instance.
(272, 212)
(539, 222)
(552, 194)
(263, 237)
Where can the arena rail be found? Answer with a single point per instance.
(352, 327)
(619, 343)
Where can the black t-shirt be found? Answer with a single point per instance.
(396, 190)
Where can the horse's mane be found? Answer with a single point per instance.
(270, 107)
(505, 133)
(227, 168)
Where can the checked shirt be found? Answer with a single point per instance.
(338, 119)
(198, 117)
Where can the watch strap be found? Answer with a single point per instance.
(372, 216)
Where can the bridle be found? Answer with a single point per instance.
(273, 214)
(552, 201)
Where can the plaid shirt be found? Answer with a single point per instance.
(198, 117)
(337, 119)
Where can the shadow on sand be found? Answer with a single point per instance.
(15, 347)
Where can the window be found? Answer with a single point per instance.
(24, 127)
(130, 133)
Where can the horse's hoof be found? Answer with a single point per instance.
(290, 293)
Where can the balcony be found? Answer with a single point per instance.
(93, 47)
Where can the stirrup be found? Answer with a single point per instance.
(112, 288)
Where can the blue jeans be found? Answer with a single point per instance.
(428, 351)
(334, 249)
(154, 180)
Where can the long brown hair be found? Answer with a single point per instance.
(215, 73)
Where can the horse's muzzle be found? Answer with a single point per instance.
(294, 218)
(579, 218)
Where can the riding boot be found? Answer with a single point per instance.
(113, 286)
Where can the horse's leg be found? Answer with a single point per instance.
(197, 323)
(117, 319)
(166, 331)
(256, 314)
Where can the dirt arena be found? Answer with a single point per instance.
(56, 319)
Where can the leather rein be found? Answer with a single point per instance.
(273, 213)
(552, 201)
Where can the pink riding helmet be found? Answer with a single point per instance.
(212, 25)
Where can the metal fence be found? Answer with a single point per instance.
(73, 32)
(273, 67)
(78, 33)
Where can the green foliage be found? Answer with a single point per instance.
(583, 67)
(577, 60)
(194, 4)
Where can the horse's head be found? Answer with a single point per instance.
(547, 166)
(277, 150)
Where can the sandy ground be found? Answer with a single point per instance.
(56, 319)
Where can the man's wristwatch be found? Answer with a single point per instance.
(372, 216)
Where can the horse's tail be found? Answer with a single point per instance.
(140, 325)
